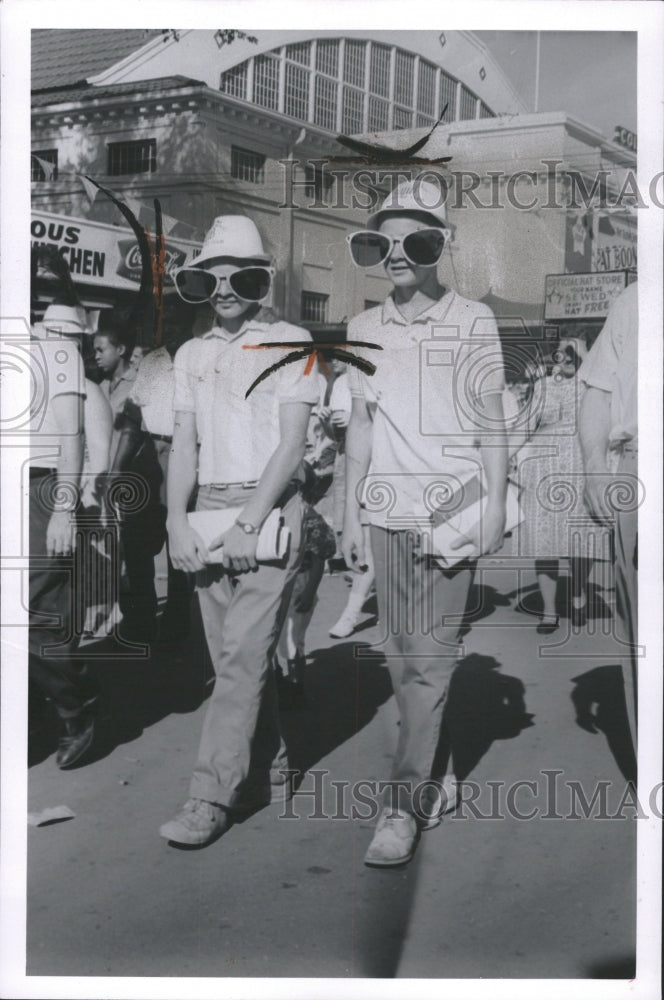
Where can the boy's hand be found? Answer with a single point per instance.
(239, 549)
(187, 549)
(487, 536)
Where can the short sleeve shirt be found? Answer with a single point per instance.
(57, 370)
(426, 396)
(238, 435)
(612, 364)
(153, 391)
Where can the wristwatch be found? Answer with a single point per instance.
(247, 527)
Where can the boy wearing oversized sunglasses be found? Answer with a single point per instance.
(413, 438)
(242, 453)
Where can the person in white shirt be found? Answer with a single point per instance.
(56, 464)
(428, 418)
(148, 410)
(608, 431)
(251, 448)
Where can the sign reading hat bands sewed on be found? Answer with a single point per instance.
(99, 254)
(582, 296)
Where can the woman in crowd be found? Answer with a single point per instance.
(555, 522)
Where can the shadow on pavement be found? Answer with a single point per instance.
(134, 693)
(343, 694)
(599, 702)
(483, 705)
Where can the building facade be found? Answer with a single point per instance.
(211, 124)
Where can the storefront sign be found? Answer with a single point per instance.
(624, 137)
(581, 296)
(102, 255)
(615, 242)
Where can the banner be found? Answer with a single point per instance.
(581, 296)
(103, 255)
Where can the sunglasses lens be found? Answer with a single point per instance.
(368, 249)
(425, 246)
(194, 285)
(251, 283)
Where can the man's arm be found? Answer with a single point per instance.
(359, 438)
(594, 429)
(187, 549)
(239, 547)
(68, 412)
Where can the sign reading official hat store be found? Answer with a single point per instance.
(581, 296)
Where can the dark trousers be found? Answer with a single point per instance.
(52, 644)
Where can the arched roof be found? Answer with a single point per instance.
(204, 55)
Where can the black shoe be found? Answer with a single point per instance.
(75, 741)
(547, 628)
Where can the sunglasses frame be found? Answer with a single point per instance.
(399, 239)
(250, 267)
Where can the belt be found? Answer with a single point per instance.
(249, 485)
(161, 437)
(293, 487)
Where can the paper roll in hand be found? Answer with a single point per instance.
(273, 537)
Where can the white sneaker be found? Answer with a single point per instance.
(346, 625)
(438, 801)
(394, 841)
(198, 823)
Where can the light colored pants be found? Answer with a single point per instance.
(626, 541)
(422, 650)
(242, 616)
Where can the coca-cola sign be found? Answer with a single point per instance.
(130, 265)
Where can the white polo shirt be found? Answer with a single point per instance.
(153, 390)
(612, 365)
(426, 397)
(212, 374)
(56, 370)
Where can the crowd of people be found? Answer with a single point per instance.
(352, 461)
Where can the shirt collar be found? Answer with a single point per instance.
(432, 313)
(217, 333)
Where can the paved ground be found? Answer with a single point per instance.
(486, 896)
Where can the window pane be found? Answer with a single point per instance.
(378, 114)
(404, 64)
(325, 103)
(234, 81)
(297, 92)
(327, 56)
(448, 88)
(37, 172)
(299, 52)
(137, 157)
(403, 118)
(266, 81)
(313, 307)
(354, 62)
(486, 112)
(426, 89)
(468, 101)
(246, 165)
(379, 80)
(422, 121)
(352, 111)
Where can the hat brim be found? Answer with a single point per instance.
(374, 221)
(215, 258)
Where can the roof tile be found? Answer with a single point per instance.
(64, 57)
